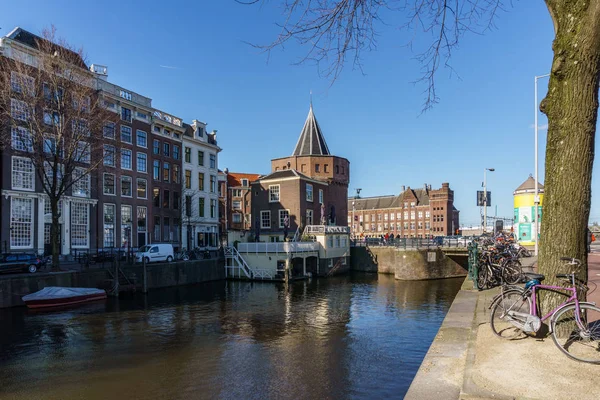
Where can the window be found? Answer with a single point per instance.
(21, 222)
(126, 159)
(166, 199)
(379, 217)
(200, 180)
(412, 225)
(326, 168)
(21, 139)
(392, 216)
(405, 204)
(412, 203)
(23, 177)
(166, 229)
(109, 184)
(176, 200)
(176, 173)
(81, 183)
(213, 184)
(427, 214)
(166, 171)
(420, 214)
(109, 225)
(385, 217)
(141, 138)
(265, 219)
(200, 158)
(156, 230)
(125, 114)
(109, 155)
(156, 197)
(427, 225)
(188, 179)
(82, 152)
(236, 205)
(141, 115)
(188, 155)
(273, 193)
(51, 118)
(126, 226)
(406, 225)
(157, 129)
(188, 206)
(309, 217)
(142, 164)
(244, 182)
(108, 130)
(21, 83)
(213, 208)
(166, 149)
(317, 168)
(156, 170)
(126, 190)
(142, 213)
(79, 224)
(412, 215)
(156, 147)
(236, 192)
(201, 207)
(405, 214)
(282, 215)
(19, 110)
(309, 192)
(236, 218)
(80, 128)
(125, 134)
(320, 196)
(213, 161)
(141, 188)
(176, 152)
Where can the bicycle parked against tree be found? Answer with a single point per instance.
(574, 324)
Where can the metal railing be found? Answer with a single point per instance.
(278, 247)
(411, 243)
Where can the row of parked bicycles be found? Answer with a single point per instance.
(499, 261)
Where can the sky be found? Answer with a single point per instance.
(195, 62)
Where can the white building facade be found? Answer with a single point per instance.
(200, 194)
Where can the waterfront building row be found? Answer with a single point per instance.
(148, 177)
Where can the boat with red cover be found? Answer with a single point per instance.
(62, 296)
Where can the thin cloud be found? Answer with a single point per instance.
(169, 67)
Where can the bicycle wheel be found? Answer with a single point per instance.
(579, 340)
(482, 277)
(501, 321)
(511, 272)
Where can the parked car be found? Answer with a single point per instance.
(155, 253)
(26, 262)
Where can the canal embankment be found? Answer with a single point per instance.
(407, 264)
(15, 286)
(467, 361)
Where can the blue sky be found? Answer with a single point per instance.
(192, 60)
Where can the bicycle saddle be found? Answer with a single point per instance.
(531, 276)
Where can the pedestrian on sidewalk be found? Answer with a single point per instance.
(589, 240)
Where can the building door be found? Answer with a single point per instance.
(141, 239)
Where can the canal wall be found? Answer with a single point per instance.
(13, 287)
(406, 264)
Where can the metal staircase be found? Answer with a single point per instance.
(237, 261)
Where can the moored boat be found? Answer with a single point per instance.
(62, 296)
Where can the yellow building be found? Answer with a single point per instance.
(524, 201)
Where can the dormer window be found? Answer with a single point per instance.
(244, 182)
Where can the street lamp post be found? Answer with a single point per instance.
(485, 197)
(536, 197)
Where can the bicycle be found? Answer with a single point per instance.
(574, 324)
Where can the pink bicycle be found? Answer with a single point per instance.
(574, 324)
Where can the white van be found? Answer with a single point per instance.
(155, 252)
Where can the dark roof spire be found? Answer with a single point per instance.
(311, 141)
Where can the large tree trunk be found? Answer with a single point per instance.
(54, 234)
(572, 108)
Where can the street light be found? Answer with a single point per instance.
(536, 196)
(353, 202)
(485, 197)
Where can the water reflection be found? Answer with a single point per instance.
(359, 336)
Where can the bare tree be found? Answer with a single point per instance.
(340, 31)
(52, 117)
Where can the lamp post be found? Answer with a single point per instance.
(536, 196)
(485, 197)
(353, 202)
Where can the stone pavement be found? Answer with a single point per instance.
(467, 361)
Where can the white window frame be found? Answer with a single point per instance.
(320, 196)
(137, 142)
(107, 150)
(309, 216)
(273, 193)
(82, 152)
(137, 162)
(126, 178)
(281, 217)
(82, 187)
(236, 205)
(104, 130)
(21, 139)
(104, 185)
(19, 110)
(27, 175)
(20, 224)
(17, 81)
(130, 134)
(83, 226)
(262, 220)
(309, 192)
(123, 151)
(236, 218)
(137, 182)
(244, 182)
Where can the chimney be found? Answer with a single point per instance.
(403, 188)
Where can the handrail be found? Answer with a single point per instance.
(259, 273)
(278, 247)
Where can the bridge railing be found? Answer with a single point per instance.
(411, 243)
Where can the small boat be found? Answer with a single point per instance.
(62, 296)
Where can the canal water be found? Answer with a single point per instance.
(361, 336)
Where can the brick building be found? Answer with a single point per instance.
(419, 212)
(235, 209)
(310, 187)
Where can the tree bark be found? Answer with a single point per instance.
(54, 234)
(572, 109)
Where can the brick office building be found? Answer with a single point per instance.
(305, 186)
(419, 212)
(235, 209)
